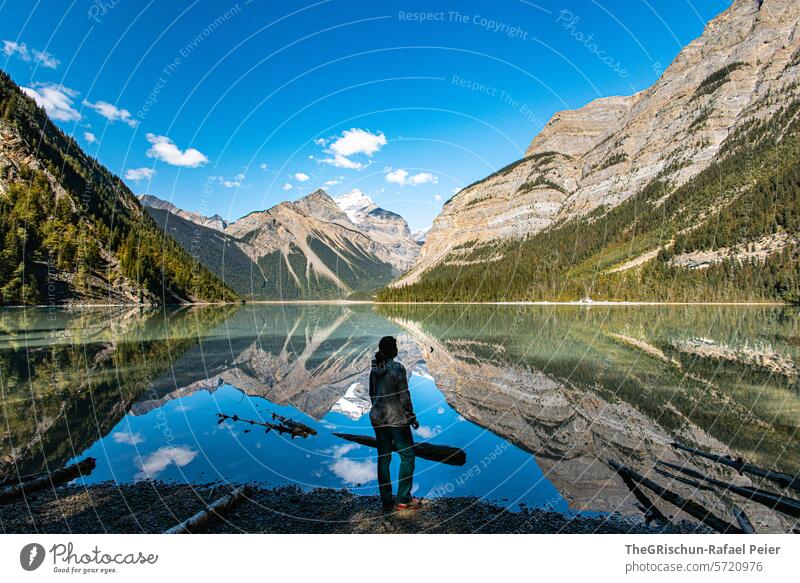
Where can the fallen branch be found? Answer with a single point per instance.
(216, 508)
(777, 502)
(445, 454)
(689, 506)
(294, 428)
(783, 480)
(39, 481)
(294, 424)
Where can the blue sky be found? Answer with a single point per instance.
(228, 107)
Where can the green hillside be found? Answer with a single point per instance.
(750, 193)
(90, 241)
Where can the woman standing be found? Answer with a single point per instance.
(392, 417)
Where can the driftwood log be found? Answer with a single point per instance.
(216, 508)
(40, 481)
(777, 502)
(783, 480)
(691, 507)
(744, 522)
(651, 511)
(452, 456)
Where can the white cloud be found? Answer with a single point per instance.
(353, 142)
(402, 178)
(55, 99)
(301, 177)
(287, 186)
(128, 438)
(158, 461)
(321, 142)
(437, 197)
(165, 150)
(397, 176)
(139, 174)
(89, 137)
(331, 182)
(43, 58)
(342, 162)
(423, 178)
(234, 182)
(111, 112)
(263, 166)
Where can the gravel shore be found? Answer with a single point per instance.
(152, 507)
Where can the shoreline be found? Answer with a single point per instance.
(603, 303)
(153, 507)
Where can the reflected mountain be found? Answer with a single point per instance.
(579, 386)
(68, 376)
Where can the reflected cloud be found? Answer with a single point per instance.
(352, 472)
(158, 461)
(128, 437)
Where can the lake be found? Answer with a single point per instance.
(539, 397)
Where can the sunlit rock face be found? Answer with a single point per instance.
(606, 151)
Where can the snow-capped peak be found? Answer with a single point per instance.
(355, 204)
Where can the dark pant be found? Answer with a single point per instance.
(399, 438)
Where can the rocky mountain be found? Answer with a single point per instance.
(72, 232)
(389, 229)
(312, 248)
(214, 222)
(610, 198)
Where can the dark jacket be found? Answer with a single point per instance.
(388, 391)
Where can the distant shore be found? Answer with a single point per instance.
(377, 303)
(153, 507)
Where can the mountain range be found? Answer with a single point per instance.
(315, 247)
(684, 191)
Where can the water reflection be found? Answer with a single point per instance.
(539, 397)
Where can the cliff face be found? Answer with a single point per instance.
(608, 150)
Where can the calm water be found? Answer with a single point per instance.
(538, 397)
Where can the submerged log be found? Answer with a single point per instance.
(445, 454)
(783, 480)
(39, 481)
(691, 507)
(216, 508)
(744, 522)
(784, 504)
